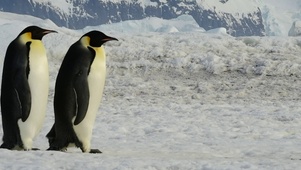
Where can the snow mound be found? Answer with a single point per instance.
(167, 28)
(221, 31)
(295, 29)
(184, 23)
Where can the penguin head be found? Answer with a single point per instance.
(35, 32)
(97, 38)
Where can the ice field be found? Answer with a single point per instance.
(178, 98)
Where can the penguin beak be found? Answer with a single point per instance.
(109, 39)
(48, 31)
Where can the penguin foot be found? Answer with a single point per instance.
(6, 146)
(35, 149)
(52, 149)
(57, 149)
(64, 150)
(95, 151)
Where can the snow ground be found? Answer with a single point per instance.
(183, 100)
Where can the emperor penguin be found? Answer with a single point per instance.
(78, 92)
(24, 89)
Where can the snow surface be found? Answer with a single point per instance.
(231, 6)
(184, 23)
(179, 100)
(67, 6)
(62, 5)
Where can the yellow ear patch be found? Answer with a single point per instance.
(100, 52)
(85, 41)
(26, 37)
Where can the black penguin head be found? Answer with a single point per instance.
(98, 38)
(36, 32)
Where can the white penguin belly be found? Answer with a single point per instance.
(96, 82)
(38, 80)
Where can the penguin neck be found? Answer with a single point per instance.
(100, 54)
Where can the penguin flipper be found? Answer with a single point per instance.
(23, 94)
(81, 93)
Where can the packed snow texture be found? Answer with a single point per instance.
(179, 100)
